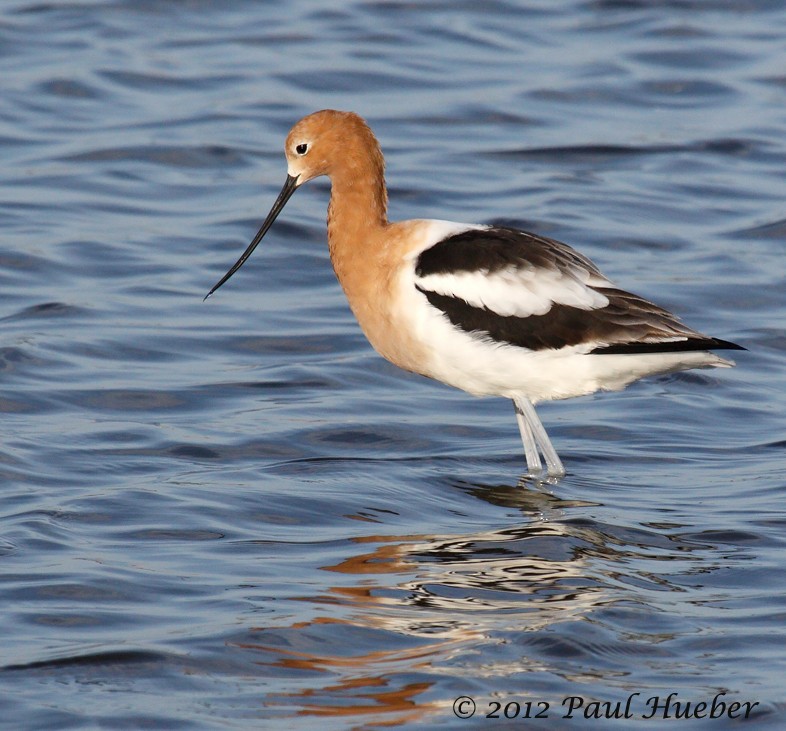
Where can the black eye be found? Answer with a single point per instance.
(302, 148)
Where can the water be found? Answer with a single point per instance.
(234, 515)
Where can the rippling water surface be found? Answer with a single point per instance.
(233, 514)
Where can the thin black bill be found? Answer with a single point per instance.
(286, 193)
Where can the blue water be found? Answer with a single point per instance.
(235, 515)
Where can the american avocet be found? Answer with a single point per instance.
(492, 310)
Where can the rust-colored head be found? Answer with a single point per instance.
(338, 144)
(332, 143)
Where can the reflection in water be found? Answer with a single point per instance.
(437, 603)
(365, 685)
(434, 598)
(462, 583)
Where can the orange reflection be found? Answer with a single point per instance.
(427, 601)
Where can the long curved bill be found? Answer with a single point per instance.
(290, 186)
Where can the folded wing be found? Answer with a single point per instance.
(516, 288)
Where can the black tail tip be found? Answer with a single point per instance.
(718, 344)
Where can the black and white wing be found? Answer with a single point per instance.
(516, 288)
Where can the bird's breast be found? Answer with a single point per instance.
(376, 272)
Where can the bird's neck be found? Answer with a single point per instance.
(358, 205)
(357, 214)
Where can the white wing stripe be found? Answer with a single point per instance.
(516, 291)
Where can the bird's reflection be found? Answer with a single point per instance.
(428, 599)
(406, 615)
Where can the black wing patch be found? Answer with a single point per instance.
(560, 326)
(627, 325)
(491, 249)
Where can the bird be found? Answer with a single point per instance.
(489, 309)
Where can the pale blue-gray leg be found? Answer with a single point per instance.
(530, 447)
(535, 440)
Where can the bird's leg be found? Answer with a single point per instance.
(534, 467)
(535, 439)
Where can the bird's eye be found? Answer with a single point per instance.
(302, 148)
